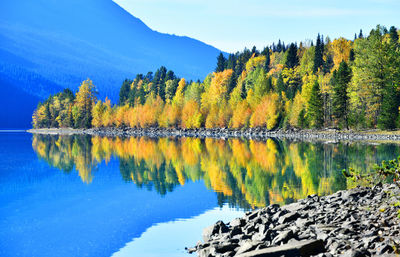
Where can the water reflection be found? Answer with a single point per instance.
(244, 173)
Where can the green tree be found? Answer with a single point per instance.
(280, 85)
(341, 80)
(389, 109)
(352, 55)
(267, 55)
(84, 101)
(390, 103)
(269, 84)
(376, 77)
(243, 91)
(124, 91)
(132, 95)
(291, 58)
(47, 114)
(221, 63)
(319, 53)
(170, 88)
(315, 107)
(393, 34)
(231, 63)
(159, 82)
(254, 51)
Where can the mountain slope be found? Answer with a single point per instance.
(59, 43)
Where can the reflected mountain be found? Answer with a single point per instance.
(244, 173)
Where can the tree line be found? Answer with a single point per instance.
(340, 83)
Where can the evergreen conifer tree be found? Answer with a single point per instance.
(279, 46)
(389, 109)
(124, 91)
(221, 63)
(393, 34)
(292, 60)
(280, 85)
(318, 57)
(243, 92)
(341, 80)
(351, 55)
(269, 84)
(231, 63)
(266, 53)
(315, 107)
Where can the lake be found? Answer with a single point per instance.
(92, 196)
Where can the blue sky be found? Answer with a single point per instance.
(231, 25)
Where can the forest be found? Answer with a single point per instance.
(340, 83)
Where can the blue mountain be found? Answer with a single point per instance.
(47, 45)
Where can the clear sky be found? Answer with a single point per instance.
(231, 25)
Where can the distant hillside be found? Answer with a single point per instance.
(46, 45)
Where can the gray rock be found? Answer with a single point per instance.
(237, 222)
(246, 247)
(355, 253)
(283, 237)
(384, 248)
(348, 222)
(288, 217)
(299, 248)
(226, 247)
(215, 229)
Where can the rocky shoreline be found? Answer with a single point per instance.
(355, 222)
(251, 133)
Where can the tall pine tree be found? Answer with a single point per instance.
(266, 53)
(341, 80)
(315, 107)
(319, 53)
(231, 63)
(124, 91)
(390, 100)
(221, 63)
(291, 59)
(280, 85)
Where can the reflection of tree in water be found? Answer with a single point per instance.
(244, 173)
(143, 177)
(67, 152)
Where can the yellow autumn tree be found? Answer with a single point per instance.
(191, 115)
(341, 51)
(148, 114)
(121, 116)
(296, 107)
(241, 115)
(98, 113)
(171, 115)
(107, 118)
(84, 100)
(213, 100)
(267, 112)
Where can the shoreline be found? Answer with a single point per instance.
(361, 221)
(223, 133)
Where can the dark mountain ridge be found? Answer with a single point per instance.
(46, 45)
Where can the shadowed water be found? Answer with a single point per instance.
(93, 196)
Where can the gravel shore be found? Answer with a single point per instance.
(356, 222)
(255, 133)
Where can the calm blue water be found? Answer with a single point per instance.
(45, 212)
(82, 196)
